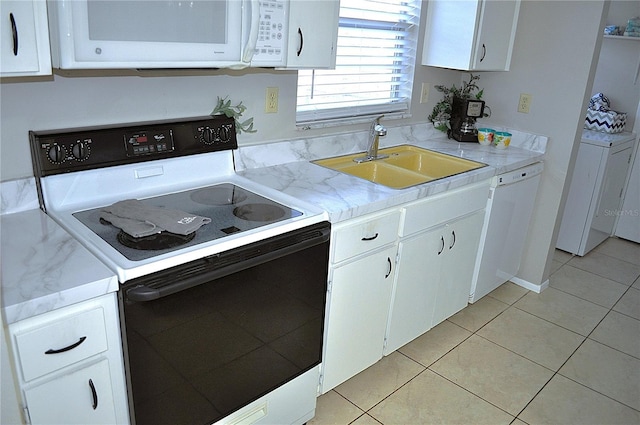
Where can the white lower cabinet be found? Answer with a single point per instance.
(439, 240)
(414, 295)
(84, 396)
(395, 274)
(461, 238)
(359, 296)
(70, 365)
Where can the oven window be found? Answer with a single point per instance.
(198, 355)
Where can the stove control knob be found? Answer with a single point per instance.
(206, 136)
(57, 154)
(225, 133)
(80, 151)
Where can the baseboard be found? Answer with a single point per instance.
(530, 286)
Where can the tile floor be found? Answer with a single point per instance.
(570, 355)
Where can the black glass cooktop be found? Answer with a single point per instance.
(231, 208)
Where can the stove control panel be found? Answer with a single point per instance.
(62, 151)
(149, 142)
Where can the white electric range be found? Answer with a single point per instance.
(227, 320)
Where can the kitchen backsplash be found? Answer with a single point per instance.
(21, 195)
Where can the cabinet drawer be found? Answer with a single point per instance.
(365, 235)
(60, 343)
(438, 209)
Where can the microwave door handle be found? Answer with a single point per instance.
(250, 48)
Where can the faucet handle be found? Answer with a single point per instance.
(377, 120)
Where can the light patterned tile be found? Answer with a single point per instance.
(555, 266)
(563, 309)
(536, 339)
(431, 399)
(588, 286)
(493, 373)
(619, 331)
(561, 256)
(607, 371)
(478, 314)
(434, 344)
(376, 382)
(606, 266)
(333, 409)
(621, 249)
(365, 420)
(508, 292)
(629, 304)
(563, 401)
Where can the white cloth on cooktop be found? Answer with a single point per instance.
(139, 219)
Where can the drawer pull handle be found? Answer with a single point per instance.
(441, 245)
(370, 238)
(389, 272)
(94, 394)
(453, 242)
(70, 347)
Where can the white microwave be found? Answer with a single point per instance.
(98, 34)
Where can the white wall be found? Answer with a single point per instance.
(556, 48)
(618, 63)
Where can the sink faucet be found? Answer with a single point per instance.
(375, 132)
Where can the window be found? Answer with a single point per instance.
(374, 66)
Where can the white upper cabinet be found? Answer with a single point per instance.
(313, 34)
(470, 34)
(24, 39)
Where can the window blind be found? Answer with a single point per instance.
(375, 62)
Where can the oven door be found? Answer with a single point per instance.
(207, 338)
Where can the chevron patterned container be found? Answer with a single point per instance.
(605, 121)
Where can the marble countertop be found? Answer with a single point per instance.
(44, 268)
(344, 196)
(606, 140)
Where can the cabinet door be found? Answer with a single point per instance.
(461, 248)
(80, 397)
(415, 289)
(609, 196)
(495, 35)
(24, 38)
(470, 34)
(358, 308)
(313, 34)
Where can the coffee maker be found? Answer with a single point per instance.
(464, 113)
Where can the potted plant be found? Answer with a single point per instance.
(441, 113)
(224, 107)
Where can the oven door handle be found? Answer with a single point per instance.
(154, 290)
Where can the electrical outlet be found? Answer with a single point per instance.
(424, 94)
(271, 102)
(524, 103)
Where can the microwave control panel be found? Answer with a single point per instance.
(272, 33)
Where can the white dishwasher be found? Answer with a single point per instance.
(504, 232)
